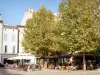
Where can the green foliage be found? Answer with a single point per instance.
(38, 33)
(78, 28)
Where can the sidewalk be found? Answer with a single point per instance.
(54, 72)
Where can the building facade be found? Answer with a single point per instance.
(27, 15)
(1, 33)
(9, 42)
(20, 39)
(11, 37)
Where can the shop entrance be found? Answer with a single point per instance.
(8, 61)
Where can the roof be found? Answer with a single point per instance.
(12, 26)
(85, 53)
(20, 26)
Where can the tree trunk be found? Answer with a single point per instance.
(84, 62)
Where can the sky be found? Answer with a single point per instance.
(12, 11)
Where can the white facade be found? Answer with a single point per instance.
(1, 27)
(10, 40)
(11, 37)
(21, 31)
(27, 15)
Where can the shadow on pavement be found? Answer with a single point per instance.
(4, 72)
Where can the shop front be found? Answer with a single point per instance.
(4, 58)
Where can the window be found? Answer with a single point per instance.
(13, 37)
(5, 48)
(5, 37)
(26, 61)
(13, 49)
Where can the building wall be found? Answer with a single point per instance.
(1, 26)
(10, 37)
(21, 31)
(27, 15)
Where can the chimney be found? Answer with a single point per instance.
(1, 19)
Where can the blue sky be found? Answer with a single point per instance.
(12, 10)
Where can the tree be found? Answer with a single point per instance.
(38, 32)
(78, 28)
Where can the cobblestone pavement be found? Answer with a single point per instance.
(48, 72)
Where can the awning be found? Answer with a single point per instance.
(21, 57)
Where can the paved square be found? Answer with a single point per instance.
(48, 72)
